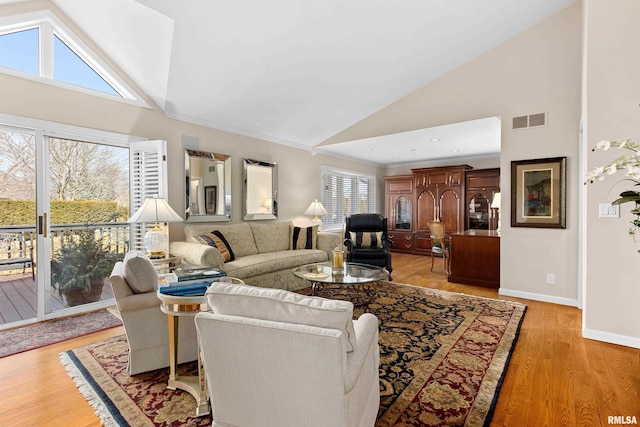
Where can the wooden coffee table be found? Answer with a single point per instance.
(362, 277)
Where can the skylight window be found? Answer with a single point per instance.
(42, 46)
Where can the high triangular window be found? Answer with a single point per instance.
(44, 47)
(69, 67)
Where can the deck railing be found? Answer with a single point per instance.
(115, 236)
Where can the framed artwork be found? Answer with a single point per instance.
(210, 198)
(538, 193)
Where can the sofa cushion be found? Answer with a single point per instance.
(255, 265)
(283, 306)
(304, 237)
(139, 272)
(364, 239)
(217, 240)
(239, 236)
(272, 236)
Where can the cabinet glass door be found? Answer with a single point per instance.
(479, 213)
(402, 217)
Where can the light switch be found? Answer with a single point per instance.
(607, 210)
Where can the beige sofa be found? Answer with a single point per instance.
(262, 252)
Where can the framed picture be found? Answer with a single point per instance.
(538, 193)
(210, 198)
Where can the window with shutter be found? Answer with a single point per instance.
(345, 193)
(148, 178)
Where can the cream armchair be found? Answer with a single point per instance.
(275, 358)
(134, 282)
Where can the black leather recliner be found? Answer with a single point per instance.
(367, 240)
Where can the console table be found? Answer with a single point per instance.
(475, 258)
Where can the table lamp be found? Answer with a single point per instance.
(316, 209)
(156, 210)
(495, 204)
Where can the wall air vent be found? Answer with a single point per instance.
(539, 119)
(532, 120)
(520, 122)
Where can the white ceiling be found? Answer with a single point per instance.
(298, 72)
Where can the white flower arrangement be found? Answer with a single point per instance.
(629, 163)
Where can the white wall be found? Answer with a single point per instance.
(612, 292)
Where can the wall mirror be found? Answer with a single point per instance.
(208, 186)
(260, 190)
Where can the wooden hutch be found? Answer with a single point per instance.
(458, 196)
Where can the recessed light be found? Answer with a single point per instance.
(396, 158)
(435, 139)
(455, 150)
(413, 149)
(368, 149)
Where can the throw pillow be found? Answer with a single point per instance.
(304, 237)
(139, 272)
(362, 239)
(279, 305)
(217, 240)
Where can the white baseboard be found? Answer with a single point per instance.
(538, 297)
(607, 337)
(611, 338)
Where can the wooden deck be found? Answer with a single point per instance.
(18, 299)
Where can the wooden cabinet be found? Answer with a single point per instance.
(399, 211)
(482, 185)
(428, 194)
(475, 258)
(399, 202)
(402, 241)
(439, 196)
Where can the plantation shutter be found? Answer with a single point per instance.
(345, 193)
(148, 176)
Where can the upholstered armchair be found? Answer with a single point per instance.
(274, 358)
(367, 240)
(134, 282)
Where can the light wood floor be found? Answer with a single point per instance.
(555, 378)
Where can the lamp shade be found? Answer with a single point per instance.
(495, 204)
(316, 209)
(155, 210)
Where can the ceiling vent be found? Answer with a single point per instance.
(532, 120)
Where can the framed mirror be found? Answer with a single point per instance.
(207, 186)
(260, 190)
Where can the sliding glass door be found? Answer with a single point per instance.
(65, 202)
(88, 211)
(18, 285)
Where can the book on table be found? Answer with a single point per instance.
(190, 274)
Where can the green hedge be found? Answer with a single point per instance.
(22, 212)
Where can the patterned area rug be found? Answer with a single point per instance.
(44, 333)
(443, 359)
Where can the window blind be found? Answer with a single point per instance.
(345, 193)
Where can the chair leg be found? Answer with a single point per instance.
(431, 261)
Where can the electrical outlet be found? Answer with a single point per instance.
(551, 279)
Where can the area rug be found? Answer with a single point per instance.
(44, 333)
(443, 358)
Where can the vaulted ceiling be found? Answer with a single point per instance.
(298, 72)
